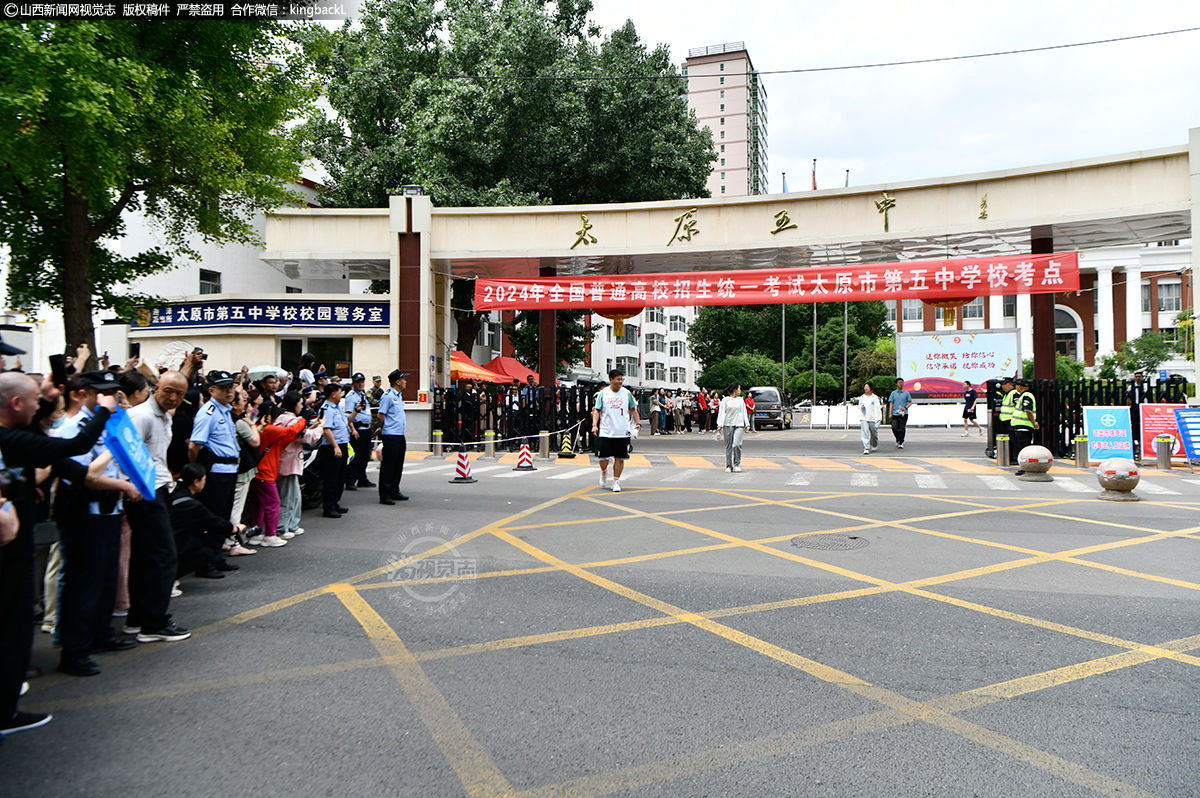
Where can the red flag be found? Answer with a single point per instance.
(814, 174)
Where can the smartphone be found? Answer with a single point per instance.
(58, 370)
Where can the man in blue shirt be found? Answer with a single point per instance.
(899, 403)
(358, 410)
(391, 418)
(214, 445)
(338, 433)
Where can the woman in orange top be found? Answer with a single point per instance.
(264, 510)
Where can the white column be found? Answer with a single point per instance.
(996, 311)
(1133, 302)
(1025, 322)
(1104, 316)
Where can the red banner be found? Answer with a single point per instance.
(928, 280)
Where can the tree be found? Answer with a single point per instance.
(570, 337)
(97, 119)
(1066, 368)
(747, 370)
(513, 103)
(800, 387)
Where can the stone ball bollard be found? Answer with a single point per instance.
(1035, 461)
(1118, 477)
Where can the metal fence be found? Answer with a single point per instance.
(464, 414)
(1060, 406)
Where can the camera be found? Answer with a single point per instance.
(247, 533)
(201, 352)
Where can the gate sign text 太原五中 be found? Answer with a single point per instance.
(930, 280)
(1109, 433)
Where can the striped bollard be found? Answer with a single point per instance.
(462, 471)
(525, 459)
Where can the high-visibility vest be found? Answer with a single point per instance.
(1025, 411)
(1007, 404)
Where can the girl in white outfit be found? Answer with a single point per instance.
(871, 411)
(732, 422)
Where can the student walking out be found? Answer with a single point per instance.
(899, 401)
(871, 411)
(970, 395)
(731, 425)
(614, 421)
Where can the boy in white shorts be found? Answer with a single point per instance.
(614, 421)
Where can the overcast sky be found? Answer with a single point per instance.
(932, 120)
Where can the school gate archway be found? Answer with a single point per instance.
(1140, 197)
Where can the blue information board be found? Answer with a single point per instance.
(131, 453)
(1109, 432)
(1188, 421)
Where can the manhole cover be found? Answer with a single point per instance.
(829, 542)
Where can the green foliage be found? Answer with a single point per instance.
(746, 369)
(1187, 334)
(720, 331)
(99, 118)
(424, 92)
(886, 344)
(1108, 365)
(1065, 368)
(1145, 353)
(800, 387)
(867, 364)
(571, 335)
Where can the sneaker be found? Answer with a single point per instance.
(131, 630)
(603, 479)
(273, 542)
(616, 486)
(964, 435)
(866, 451)
(240, 551)
(169, 633)
(23, 721)
(737, 469)
(175, 591)
(120, 613)
(981, 432)
(286, 535)
(48, 628)
(257, 540)
(728, 469)
(900, 446)
(298, 530)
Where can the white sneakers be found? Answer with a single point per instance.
(728, 469)
(603, 479)
(287, 535)
(737, 469)
(298, 530)
(866, 451)
(616, 486)
(268, 541)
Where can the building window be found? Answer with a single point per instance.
(722, 189)
(913, 309)
(1174, 243)
(1096, 299)
(1170, 297)
(722, 107)
(678, 375)
(655, 315)
(481, 336)
(722, 175)
(722, 80)
(891, 309)
(722, 162)
(722, 95)
(656, 342)
(1145, 297)
(629, 335)
(722, 67)
(678, 324)
(656, 371)
(678, 349)
(629, 365)
(609, 330)
(291, 289)
(973, 309)
(722, 120)
(210, 282)
(722, 134)
(1010, 307)
(608, 366)
(1171, 335)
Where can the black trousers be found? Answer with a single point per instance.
(899, 426)
(333, 475)
(217, 496)
(1021, 437)
(91, 550)
(391, 465)
(356, 472)
(152, 562)
(16, 623)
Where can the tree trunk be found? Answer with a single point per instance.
(77, 276)
(468, 329)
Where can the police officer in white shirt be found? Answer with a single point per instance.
(358, 410)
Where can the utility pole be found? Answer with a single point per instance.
(845, 348)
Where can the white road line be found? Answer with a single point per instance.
(1191, 481)
(1150, 487)
(578, 472)
(929, 481)
(684, 476)
(996, 482)
(801, 478)
(862, 480)
(734, 479)
(1072, 485)
(485, 469)
(510, 473)
(427, 469)
(633, 473)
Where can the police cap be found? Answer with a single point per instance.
(1022, 381)
(395, 375)
(358, 377)
(217, 377)
(102, 381)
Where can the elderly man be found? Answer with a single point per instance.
(152, 558)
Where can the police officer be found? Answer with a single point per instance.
(337, 433)
(1024, 419)
(1008, 399)
(391, 418)
(214, 445)
(91, 544)
(358, 410)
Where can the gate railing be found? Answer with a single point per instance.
(463, 415)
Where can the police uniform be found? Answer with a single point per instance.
(391, 466)
(1004, 421)
(333, 467)
(213, 429)
(356, 474)
(1023, 417)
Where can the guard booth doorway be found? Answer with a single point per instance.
(335, 353)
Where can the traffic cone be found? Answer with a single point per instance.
(462, 470)
(568, 451)
(525, 459)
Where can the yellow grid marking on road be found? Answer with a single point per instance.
(638, 461)
(963, 466)
(472, 456)
(416, 455)
(821, 464)
(759, 462)
(472, 764)
(890, 464)
(689, 461)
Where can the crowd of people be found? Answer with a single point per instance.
(229, 451)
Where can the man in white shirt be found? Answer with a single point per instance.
(614, 420)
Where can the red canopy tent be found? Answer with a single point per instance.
(510, 367)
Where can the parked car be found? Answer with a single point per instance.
(769, 408)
